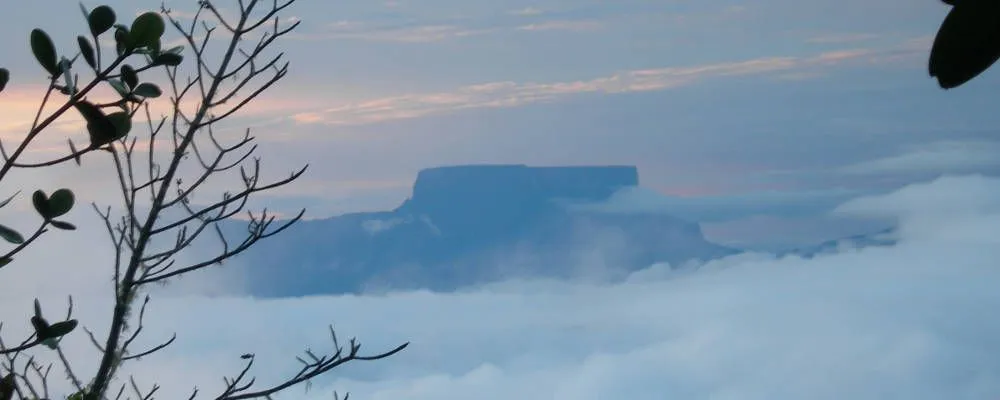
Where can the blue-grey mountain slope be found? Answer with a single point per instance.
(465, 225)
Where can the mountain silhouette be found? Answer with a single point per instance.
(472, 224)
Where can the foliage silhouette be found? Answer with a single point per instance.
(151, 179)
(967, 43)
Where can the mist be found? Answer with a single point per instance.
(913, 321)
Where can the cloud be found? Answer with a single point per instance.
(414, 34)
(913, 321)
(720, 207)
(504, 94)
(936, 157)
(577, 26)
(841, 38)
(431, 33)
(958, 198)
(527, 11)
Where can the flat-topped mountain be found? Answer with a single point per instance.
(474, 224)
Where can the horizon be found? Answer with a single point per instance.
(669, 87)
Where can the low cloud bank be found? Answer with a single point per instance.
(914, 321)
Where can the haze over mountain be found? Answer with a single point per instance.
(473, 224)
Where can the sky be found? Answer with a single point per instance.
(757, 108)
(772, 121)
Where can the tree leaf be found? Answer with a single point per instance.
(66, 226)
(8, 386)
(61, 202)
(38, 308)
(102, 131)
(174, 50)
(168, 59)
(967, 43)
(87, 50)
(129, 76)
(41, 327)
(121, 39)
(122, 122)
(119, 87)
(41, 203)
(146, 30)
(147, 89)
(44, 50)
(4, 78)
(154, 47)
(62, 328)
(100, 20)
(4, 261)
(11, 235)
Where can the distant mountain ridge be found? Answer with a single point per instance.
(882, 238)
(474, 224)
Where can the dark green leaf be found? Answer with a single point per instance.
(967, 43)
(44, 50)
(169, 59)
(41, 203)
(8, 386)
(119, 87)
(146, 30)
(174, 50)
(4, 261)
(51, 343)
(62, 328)
(154, 47)
(122, 122)
(101, 19)
(129, 76)
(87, 50)
(11, 235)
(147, 89)
(66, 226)
(60, 202)
(88, 110)
(121, 39)
(41, 327)
(4, 78)
(38, 309)
(101, 129)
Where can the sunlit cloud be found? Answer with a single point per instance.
(431, 33)
(514, 94)
(842, 38)
(577, 26)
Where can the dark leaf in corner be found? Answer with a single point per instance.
(967, 43)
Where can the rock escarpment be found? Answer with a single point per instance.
(473, 224)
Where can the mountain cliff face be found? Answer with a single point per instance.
(472, 224)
